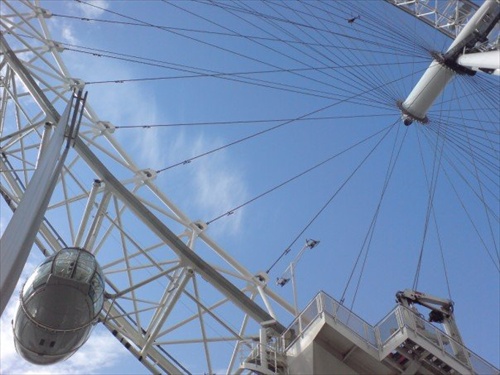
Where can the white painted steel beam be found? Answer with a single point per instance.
(93, 232)
(86, 214)
(489, 60)
(19, 236)
(438, 75)
(172, 296)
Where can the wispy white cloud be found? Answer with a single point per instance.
(68, 34)
(91, 358)
(64, 30)
(91, 8)
(221, 187)
(67, 31)
(150, 144)
(218, 182)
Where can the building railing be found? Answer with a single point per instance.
(323, 303)
(401, 317)
(380, 335)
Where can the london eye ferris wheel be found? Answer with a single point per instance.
(204, 142)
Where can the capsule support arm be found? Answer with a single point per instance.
(21, 231)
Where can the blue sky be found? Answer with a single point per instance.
(341, 87)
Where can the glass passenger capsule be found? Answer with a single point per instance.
(59, 304)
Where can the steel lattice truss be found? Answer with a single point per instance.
(185, 304)
(449, 16)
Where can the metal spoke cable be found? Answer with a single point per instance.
(368, 79)
(327, 203)
(389, 29)
(182, 35)
(297, 176)
(464, 207)
(485, 88)
(311, 51)
(444, 135)
(227, 76)
(287, 56)
(432, 187)
(494, 115)
(452, 122)
(251, 122)
(483, 153)
(484, 150)
(394, 157)
(479, 182)
(359, 77)
(246, 8)
(457, 141)
(351, 76)
(146, 23)
(441, 250)
(322, 56)
(376, 34)
(237, 77)
(452, 162)
(467, 110)
(486, 137)
(247, 57)
(481, 148)
(488, 87)
(463, 158)
(284, 55)
(251, 136)
(393, 52)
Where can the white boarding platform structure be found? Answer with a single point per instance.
(328, 338)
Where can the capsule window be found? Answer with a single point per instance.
(96, 292)
(85, 267)
(42, 341)
(38, 278)
(52, 343)
(64, 263)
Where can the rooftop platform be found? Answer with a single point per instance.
(328, 338)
